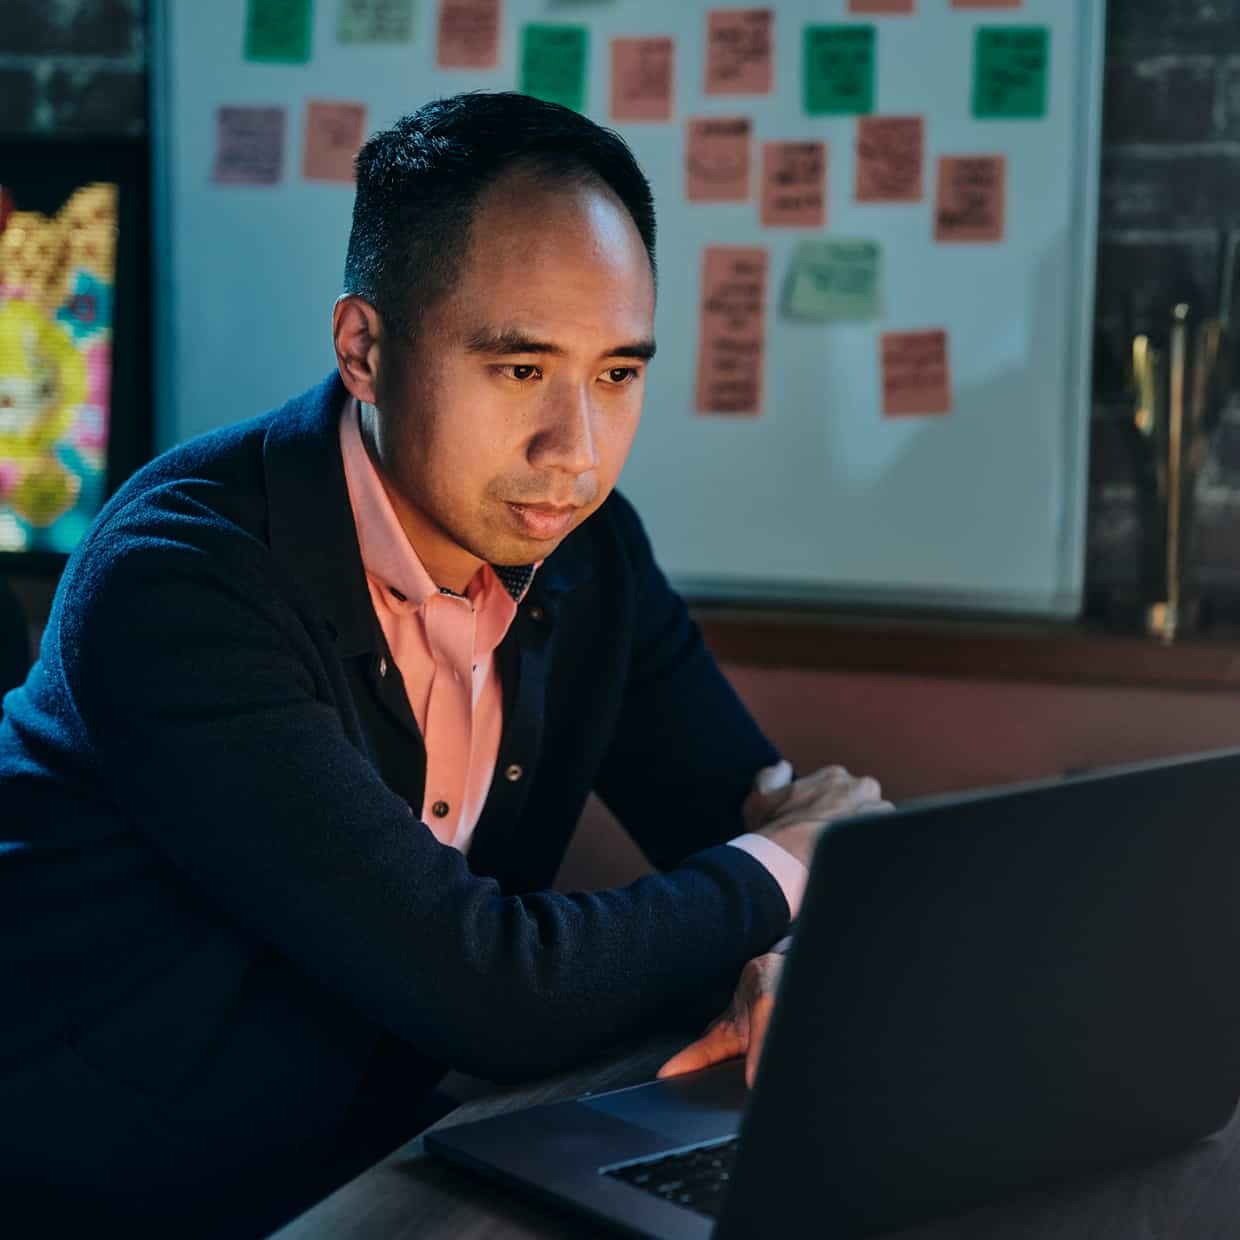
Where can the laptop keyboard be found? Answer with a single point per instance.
(696, 1179)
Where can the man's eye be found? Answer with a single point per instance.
(522, 372)
(621, 374)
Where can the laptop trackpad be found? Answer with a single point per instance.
(696, 1107)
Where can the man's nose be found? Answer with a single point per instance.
(566, 440)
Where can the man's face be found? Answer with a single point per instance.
(506, 422)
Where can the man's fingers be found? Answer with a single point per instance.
(723, 1040)
(759, 1018)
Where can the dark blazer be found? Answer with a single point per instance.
(222, 925)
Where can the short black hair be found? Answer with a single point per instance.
(418, 186)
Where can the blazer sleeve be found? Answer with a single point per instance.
(684, 751)
(198, 691)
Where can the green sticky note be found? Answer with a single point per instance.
(834, 280)
(376, 21)
(278, 30)
(1010, 70)
(553, 64)
(838, 68)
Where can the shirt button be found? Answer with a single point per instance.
(536, 613)
(382, 667)
(440, 809)
(514, 772)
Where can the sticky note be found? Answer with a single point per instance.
(642, 75)
(468, 36)
(890, 157)
(717, 159)
(882, 6)
(838, 70)
(738, 51)
(278, 31)
(732, 341)
(375, 21)
(334, 132)
(249, 146)
(1009, 72)
(553, 64)
(834, 279)
(794, 185)
(916, 377)
(970, 204)
(987, 4)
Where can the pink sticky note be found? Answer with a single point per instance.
(879, 7)
(334, 132)
(738, 51)
(468, 34)
(794, 184)
(916, 377)
(890, 155)
(717, 159)
(642, 73)
(971, 198)
(249, 146)
(732, 341)
(986, 4)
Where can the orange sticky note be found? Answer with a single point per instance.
(890, 155)
(794, 184)
(732, 343)
(971, 198)
(334, 132)
(879, 7)
(738, 51)
(986, 4)
(717, 159)
(642, 73)
(468, 34)
(916, 378)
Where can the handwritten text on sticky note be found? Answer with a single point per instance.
(916, 377)
(1010, 71)
(249, 146)
(732, 345)
(553, 63)
(278, 31)
(838, 70)
(971, 197)
(642, 76)
(717, 159)
(794, 185)
(890, 158)
(468, 36)
(738, 51)
(334, 132)
(376, 21)
(834, 279)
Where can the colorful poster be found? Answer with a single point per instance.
(835, 279)
(57, 284)
(468, 34)
(334, 134)
(643, 73)
(376, 21)
(278, 31)
(1009, 72)
(794, 185)
(717, 159)
(553, 64)
(738, 51)
(249, 146)
(839, 70)
(916, 377)
(732, 339)
(971, 198)
(890, 158)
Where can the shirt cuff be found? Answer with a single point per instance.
(782, 866)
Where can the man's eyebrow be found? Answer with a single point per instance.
(501, 342)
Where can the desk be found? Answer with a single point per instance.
(1190, 1195)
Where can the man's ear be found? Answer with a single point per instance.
(358, 334)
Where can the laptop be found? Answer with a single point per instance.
(985, 993)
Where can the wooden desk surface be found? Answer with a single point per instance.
(1190, 1195)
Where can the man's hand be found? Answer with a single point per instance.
(741, 1029)
(792, 813)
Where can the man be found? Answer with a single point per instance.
(319, 703)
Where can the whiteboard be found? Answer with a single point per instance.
(820, 497)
